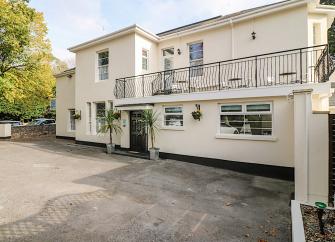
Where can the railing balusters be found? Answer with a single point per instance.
(238, 73)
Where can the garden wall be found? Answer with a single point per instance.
(23, 132)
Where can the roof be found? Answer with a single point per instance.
(66, 72)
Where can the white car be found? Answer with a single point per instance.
(227, 129)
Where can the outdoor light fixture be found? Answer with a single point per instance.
(253, 35)
(179, 52)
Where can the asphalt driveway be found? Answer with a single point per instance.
(54, 190)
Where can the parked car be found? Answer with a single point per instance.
(13, 123)
(42, 121)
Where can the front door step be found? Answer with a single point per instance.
(133, 154)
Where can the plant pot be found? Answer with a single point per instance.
(154, 153)
(110, 148)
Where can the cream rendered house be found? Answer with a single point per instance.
(261, 78)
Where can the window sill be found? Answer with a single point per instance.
(173, 128)
(246, 137)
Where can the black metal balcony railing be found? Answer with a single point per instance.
(304, 65)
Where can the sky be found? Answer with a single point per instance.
(71, 22)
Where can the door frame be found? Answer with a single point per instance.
(144, 140)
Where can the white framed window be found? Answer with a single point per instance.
(103, 63)
(246, 119)
(72, 121)
(100, 109)
(173, 116)
(145, 60)
(89, 118)
(196, 54)
(168, 58)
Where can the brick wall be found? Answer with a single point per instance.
(22, 132)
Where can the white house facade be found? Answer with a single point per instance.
(260, 77)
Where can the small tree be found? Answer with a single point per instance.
(151, 121)
(111, 124)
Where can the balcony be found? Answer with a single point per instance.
(296, 66)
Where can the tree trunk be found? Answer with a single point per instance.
(110, 136)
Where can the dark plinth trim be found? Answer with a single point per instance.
(279, 172)
(88, 143)
(65, 137)
(5, 138)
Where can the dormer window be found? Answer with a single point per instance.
(103, 61)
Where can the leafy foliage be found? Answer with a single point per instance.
(111, 124)
(150, 119)
(331, 31)
(26, 78)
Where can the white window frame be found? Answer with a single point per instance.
(145, 58)
(89, 118)
(198, 71)
(168, 57)
(96, 117)
(173, 127)
(102, 66)
(70, 120)
(245, 112)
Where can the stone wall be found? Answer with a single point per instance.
(24, 132)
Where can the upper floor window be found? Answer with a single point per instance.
(103, 61)
(248, 119)
(196, 51)
(145, 61)
(168, 58)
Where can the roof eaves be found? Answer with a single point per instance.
(66, 72)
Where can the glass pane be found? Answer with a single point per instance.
(174, 110)
(168, 63)
(100, 109)
(260, 124)
(145, 53)
(258, 107)
(103, 55)
(196, 47)
(168, 52)
(231, 108)
(196, 55)
(231, 124)
(173, 120)
(144, 64)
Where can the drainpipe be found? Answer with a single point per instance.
(232, 39)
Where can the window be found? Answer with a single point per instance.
(89, 117)
(72, 124)
(196, 51)
(100, 115)
(103, 61)
(173, 116)
(168, 58)
(246, 119)
(145, 61)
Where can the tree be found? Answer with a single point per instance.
(151, 121)
(111, 124)
(331, 30)
(26, 78)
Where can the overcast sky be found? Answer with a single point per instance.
(71, 22)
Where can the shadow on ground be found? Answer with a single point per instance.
(161, 201)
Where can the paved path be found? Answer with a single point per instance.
(53, 190)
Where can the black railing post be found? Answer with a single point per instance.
(124, 88)
(219, 75)
(189, 79)
(328, 62)
(143, 85)
(300, 66)
(164, 84)
(256, 71)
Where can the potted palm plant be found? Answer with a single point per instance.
(150, 120)
(111, 124)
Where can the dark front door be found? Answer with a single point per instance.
(138, 133)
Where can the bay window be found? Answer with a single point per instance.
(246, 119)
